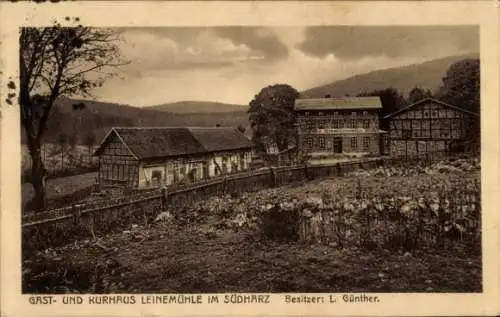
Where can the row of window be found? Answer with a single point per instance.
(338, 141)
(433, 113)
(338, 124)
(429, 124)
(321, 113)
(116, 148)
(118, 172)
(436, 133)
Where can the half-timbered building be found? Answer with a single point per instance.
(336, 127)
(429, 125)
(141, 157)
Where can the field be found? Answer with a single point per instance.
(75, 161)
(60, 186)
(217, 246)
(53, 160)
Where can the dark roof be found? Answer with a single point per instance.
(220, 139)
(338, 103)
(430, 100)
(159, 142)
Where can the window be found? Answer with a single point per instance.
(336, 113)
(320, 113)
(176, 172)
(366, 124)
(365, 113)
(352, 124)
(335, 124)
(156, 176)
(322, 143)
(406, 134)
(307, 113)
(353, 113)
(354, 143)
(309, 141)
(224, 165)
(366, 143)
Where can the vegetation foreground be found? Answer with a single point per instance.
(231, 244)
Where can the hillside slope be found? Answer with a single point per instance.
(98, 117)
(198, 107)
(426, 75)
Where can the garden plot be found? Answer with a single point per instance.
(224, 244)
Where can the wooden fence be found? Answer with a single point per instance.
(58, 227)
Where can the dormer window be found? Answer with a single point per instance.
(320, 113)
(307, 114)
(353, 113)
(365, 113)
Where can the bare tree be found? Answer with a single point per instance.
(58, 61)
(89, 141)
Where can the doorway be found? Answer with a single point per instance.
(337, 145)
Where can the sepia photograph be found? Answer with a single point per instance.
(166, 158)
(250, 159)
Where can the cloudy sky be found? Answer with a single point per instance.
(231, 64)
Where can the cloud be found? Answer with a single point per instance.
(354, 42)
(175, 48)
(261, 40)
(231, 64)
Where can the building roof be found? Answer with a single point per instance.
(158, 142)
(430, 100)
(338, 103)
(220, 139)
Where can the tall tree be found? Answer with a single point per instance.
(418, 93)
(272, 116)
(461, 88)
(58, 61)
(461, 85)
(392, 100)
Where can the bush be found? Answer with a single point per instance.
(280, 224)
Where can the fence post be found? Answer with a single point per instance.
(164, 198)
(339, 170)
(224, 185)
(307, 171)
(272, 173)
(76, 214)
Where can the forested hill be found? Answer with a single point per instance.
(98, 117)
(427, 75)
